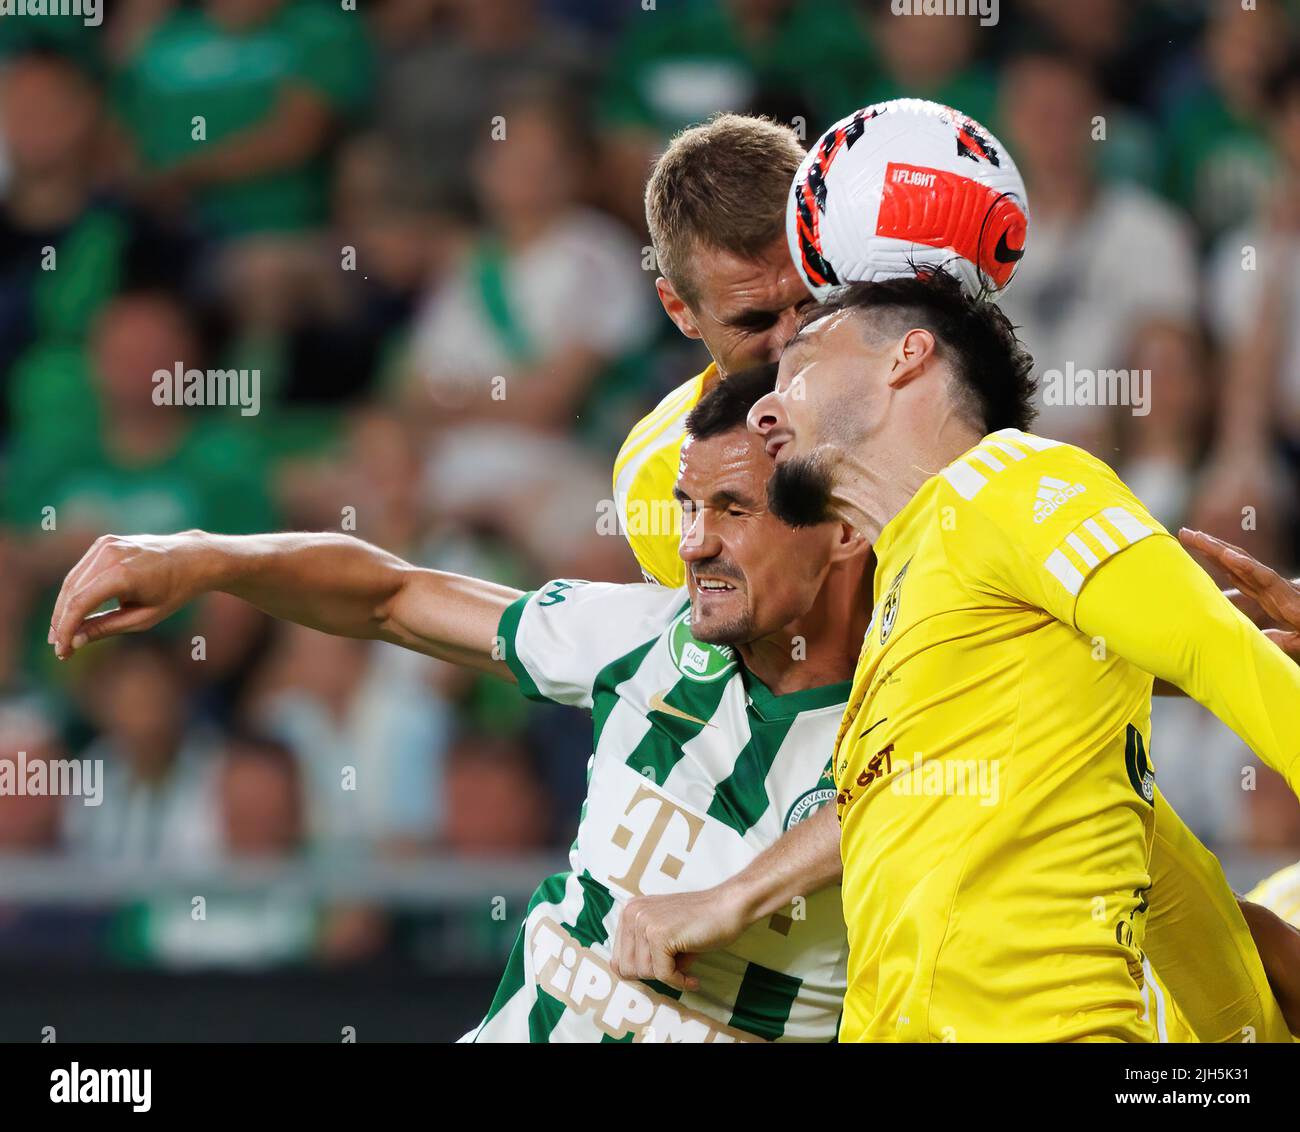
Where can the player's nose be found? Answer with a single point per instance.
(698, 543)
(767, 414)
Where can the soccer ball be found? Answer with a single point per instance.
(906, 185)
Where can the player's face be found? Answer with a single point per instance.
(827, 401)
(744, 309)
(748, 573)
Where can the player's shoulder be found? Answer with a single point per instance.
(1006, 460)
(647, 604)
(1015, 476)
(1044, 495)
(663, 426)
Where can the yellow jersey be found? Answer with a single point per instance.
(1280, 893)
(645, 471)
(644, 474)
(1207, 982)
(997, 798)
(995, 792)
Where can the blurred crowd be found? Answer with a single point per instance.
(420, 222)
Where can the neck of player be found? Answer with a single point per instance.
(873, 481)
(822, 646)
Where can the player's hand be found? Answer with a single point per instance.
(1274, 594)
(659, 937)
(150, 576)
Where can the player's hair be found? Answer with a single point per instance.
(720, 185)
(994, 372)
(727, 404)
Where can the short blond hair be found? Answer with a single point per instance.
(721, 185)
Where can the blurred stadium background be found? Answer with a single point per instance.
(352, 229)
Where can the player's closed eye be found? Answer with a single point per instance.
(755, 322)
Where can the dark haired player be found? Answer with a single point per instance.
(1022, 598)
(712, 728)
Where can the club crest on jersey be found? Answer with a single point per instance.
(808, 804)
(694, 659)
(889, 608)
(1140, 771)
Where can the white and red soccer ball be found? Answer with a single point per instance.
(906, 185)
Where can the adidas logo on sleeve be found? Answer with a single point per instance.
(1052, 494)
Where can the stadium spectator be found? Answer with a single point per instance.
(920, 55)
(1081, 299)
(1215, 129)
(247, 142)
(159, 790)
(370, 736)
(443, 81)
(29, 823)
(66, 245)
(495, 803)
(550, 295)
(259, 814)
(676, 66)
(1253, 300)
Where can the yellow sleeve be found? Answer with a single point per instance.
(1200, 945)
(645, 471)
(1161, 612)
(1034, 527)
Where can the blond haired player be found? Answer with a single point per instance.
(715, 207)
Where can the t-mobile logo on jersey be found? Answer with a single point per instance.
(670, 865)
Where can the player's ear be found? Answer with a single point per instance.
(676, 308)
(849, 543)
(911, 355)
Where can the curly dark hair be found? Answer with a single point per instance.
(977, 339)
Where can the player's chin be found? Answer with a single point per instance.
(719, 617)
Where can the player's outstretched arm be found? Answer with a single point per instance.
(1273, 595)
(1268, 599)
(331, 582)
(658, 937)
(1278, 944)
(1153, 606)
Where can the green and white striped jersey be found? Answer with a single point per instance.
(696, 768)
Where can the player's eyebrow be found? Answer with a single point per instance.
(721, 499)
(755, 318)
(796, 342)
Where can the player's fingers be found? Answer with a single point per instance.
(1251, 576)
(1275, 595)
(1226, 554)
(685, 961)
(633, 943)
(1287, 641)
(663, 957)
(622, 954)
(1201, 542)
(84, 601)
(133, 619)
(73, 581)
(643, 966)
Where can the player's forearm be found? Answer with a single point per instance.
(803, 861)
(330, 582)
(1153, 606)
(347, 587)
